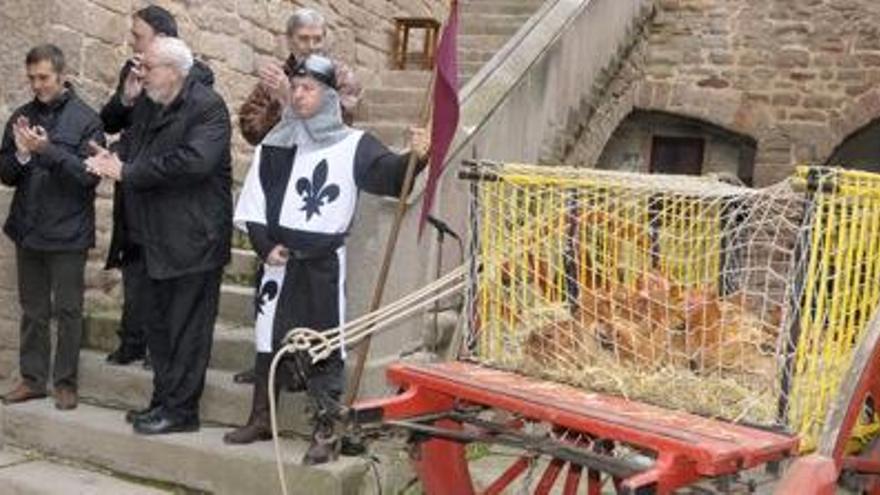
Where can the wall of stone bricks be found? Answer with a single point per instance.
(234, 37)
(797, 76)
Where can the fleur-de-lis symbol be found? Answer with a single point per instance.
(268, 292)
(314, 193)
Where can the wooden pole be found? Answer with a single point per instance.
(363, 349)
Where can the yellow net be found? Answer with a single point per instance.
(686, 292)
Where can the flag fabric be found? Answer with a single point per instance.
(445, 115)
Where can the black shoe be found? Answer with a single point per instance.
(246, 376)
(161, 424)
(352, 445)
(125, 355)
(133, 415)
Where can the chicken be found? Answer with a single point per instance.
(722, 334)
(636, 343)
(559, 339)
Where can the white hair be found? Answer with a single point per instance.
(174, 52)
(305, 17)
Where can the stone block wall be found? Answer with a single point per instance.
(797, 76)
(234, 37)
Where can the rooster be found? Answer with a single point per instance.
(721, 334)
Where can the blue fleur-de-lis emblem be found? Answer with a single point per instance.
(314, 193)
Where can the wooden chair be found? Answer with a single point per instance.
(402, 27)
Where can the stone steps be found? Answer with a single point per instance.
(98, 436)
(475, 55)
(24, 474)
(405, 79)
(233, 343)
(236, 304)
(392, 133)
(393, 96)
(499, 7)
(388, 109)
(492, 24)
(242, 267)
(401, 112)
(486, 42)
(466, 70)
(223, 401)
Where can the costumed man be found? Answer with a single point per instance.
(306, 34)
(297, 204)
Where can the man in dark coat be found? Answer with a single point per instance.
(51, 221)
(129, 104)
(178, 170)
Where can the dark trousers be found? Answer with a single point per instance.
(180, 331)
(310, 298)
(132, 334)
(50, 283)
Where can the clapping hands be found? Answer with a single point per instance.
(29, 139)
(273, 78)
(103, 163)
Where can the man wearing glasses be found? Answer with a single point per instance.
(178, 168)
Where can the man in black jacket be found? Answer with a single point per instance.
(126, 105)
(177, 169)
(51, 221)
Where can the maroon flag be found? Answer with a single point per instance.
(444, 121)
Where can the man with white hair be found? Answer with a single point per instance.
(306, 34)
(179, 171)
(128, 104)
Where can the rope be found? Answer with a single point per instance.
(319, 345)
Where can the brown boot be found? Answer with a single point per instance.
(325, 444)
(258, 427)
(322, 449)
(24, 391)
(65, 398)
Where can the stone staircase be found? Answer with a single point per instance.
(96, 435)
(389, 108)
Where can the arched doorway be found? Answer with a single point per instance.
(860, 150)
(652, 141)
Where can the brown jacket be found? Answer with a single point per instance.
(260, 112)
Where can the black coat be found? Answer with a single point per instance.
(53, 208)
(118, 118)
(178, 165)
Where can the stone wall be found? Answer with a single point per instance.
(798, 76)
(235, 37)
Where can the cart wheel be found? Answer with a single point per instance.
(443, 469)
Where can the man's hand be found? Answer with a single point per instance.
(273, 78)
(35, 139)
(420, 142)
(18, 128)
(133, 85)
(103, 163)
(278, 256)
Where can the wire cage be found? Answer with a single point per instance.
(685, 292)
